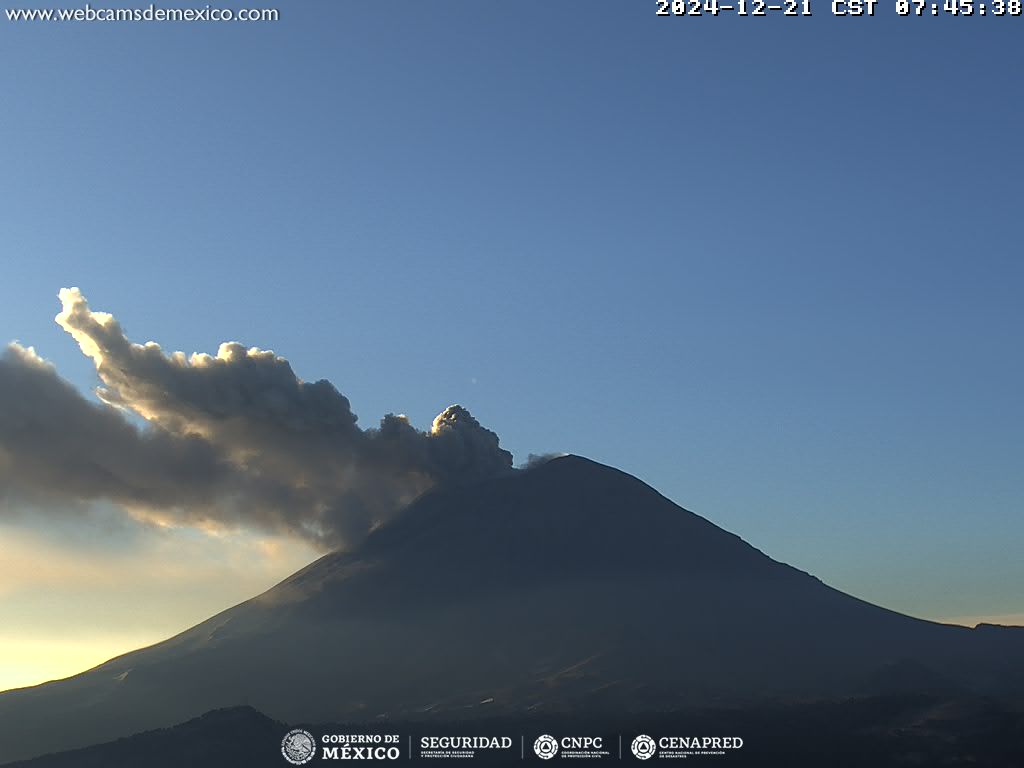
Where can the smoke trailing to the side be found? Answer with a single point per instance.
(235, 439)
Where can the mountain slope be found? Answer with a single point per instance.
(224, 737)
(568, 587)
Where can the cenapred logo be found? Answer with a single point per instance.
(644, 747)
(546, 747)
(298, 746)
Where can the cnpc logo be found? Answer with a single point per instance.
(548, 746)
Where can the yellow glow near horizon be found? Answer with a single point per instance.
(68, 608)
(26, 661)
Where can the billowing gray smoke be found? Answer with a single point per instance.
(232, 440)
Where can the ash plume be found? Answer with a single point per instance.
(233, 440)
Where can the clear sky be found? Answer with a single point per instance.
(772, 266)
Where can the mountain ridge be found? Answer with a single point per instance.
(566, 587)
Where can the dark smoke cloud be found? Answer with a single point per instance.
(235, 439)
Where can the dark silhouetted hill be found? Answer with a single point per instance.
(239, 736)
(900, 731)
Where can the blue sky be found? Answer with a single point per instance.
(771, 266)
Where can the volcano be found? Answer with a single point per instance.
(570, 587)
